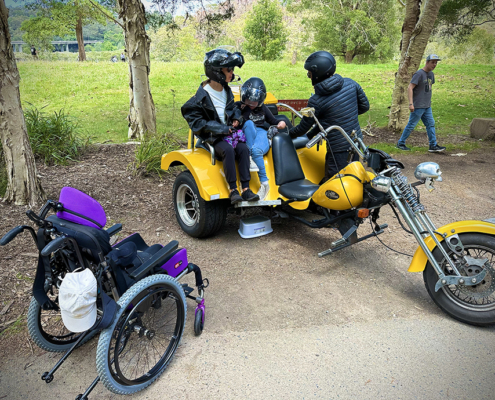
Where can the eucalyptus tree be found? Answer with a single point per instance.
(23, 185)
(132, 14)
(418, 24)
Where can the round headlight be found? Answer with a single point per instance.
(381, 183)
(428, 170)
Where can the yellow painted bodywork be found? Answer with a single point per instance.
(211, 178)
(349, 189)
(419, 260)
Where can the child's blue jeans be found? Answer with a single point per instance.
(258, 145)
(425, 115)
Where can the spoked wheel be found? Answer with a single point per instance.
(135, 350)
(46, 327)
(471, 304)
(197, 217)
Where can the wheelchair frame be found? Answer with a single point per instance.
(154, 283)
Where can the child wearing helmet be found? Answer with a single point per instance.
(254, 114)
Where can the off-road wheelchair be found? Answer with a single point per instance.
(141, 306)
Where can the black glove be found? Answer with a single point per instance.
(272, 131)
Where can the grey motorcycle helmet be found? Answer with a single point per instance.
(320, 65)
(220, 58)
(253, 92)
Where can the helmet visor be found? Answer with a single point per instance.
(252, 97)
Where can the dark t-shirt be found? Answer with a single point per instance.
(423, 89)
(259, 115)
(33, 51)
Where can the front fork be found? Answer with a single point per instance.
(421, 227)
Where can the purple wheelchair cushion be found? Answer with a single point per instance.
(81, 203)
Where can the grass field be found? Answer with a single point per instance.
(97, 94)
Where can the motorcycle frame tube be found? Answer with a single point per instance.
(412, 225)
(423, 219)
(418, 263)
(347, 137)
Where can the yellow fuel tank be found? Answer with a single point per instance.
(344, 190)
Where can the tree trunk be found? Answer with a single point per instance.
(23, 186)
(141, 118)
(416, 31)
(349, 56)
(80, 40)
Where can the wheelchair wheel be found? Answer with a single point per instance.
(197, 217)
(136, 349)
(47, 329)
(199, 322)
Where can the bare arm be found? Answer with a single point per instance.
(410, 95)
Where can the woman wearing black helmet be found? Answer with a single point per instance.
(337, 101)
(254, 114)
(210, 114)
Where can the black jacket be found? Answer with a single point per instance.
(203, 119)
(337, 101)
(259, 115)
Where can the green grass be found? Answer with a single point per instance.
(97, 94)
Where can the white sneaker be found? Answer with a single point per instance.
(263, 192)
(252, 165)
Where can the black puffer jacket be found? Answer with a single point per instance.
(337, 101)
(203, 119)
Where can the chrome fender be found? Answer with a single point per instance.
(419, 260)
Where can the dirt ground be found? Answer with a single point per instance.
(275, 282)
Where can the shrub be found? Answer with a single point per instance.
(149, 153)
(53, 137)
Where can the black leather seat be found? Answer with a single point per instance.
(288, 171)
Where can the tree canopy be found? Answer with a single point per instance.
(58, 18)
(351, 28)
(458, 18)
(265, 32)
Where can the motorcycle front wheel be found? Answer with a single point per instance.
(473, 305)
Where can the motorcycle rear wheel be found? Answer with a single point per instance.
(473, 305)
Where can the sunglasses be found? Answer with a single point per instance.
(310, 75)
(230, 69)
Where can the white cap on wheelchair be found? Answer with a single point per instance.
(77, 300)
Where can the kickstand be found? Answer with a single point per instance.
(48, 376)
(84, 396)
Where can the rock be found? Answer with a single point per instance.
(482, 128)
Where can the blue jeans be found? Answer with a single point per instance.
(258, 145)
(425, 115)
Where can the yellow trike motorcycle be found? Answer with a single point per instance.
(457, 260)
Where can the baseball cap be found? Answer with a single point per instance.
(433, 57)
(77, 300)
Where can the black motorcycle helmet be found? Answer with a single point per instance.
(220, 58)
(320, 66)
(253, 91)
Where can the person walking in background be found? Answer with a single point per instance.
(122, 57)
(419, 93)
(34, 53)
